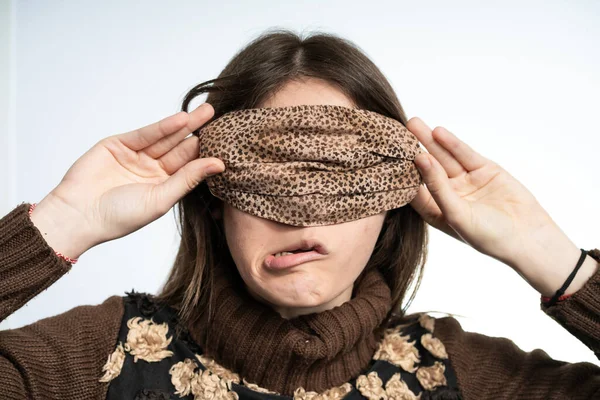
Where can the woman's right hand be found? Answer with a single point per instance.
(125, 182)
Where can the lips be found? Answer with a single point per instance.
(304, 251)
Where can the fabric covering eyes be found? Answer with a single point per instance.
(311, 165)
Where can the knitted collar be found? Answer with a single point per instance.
(315, 351)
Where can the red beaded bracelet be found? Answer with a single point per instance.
(68, 259)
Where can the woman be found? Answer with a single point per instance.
(230, 324)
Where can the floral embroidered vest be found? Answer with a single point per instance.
(151, 362)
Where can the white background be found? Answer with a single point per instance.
(518, 81)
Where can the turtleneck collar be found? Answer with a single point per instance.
(315, 351)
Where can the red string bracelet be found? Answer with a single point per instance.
(546, 299)
(558, 296)
(68, 259)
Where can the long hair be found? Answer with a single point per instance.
(258, 70)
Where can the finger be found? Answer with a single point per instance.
(196, 119)
(425, 205)
(438, 184)
(424, 134)
(143, 137)
(183, 153)
(462, 152)
(183, 181)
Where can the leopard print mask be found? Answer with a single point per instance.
(311, 165)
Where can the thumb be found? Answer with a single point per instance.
(438, 184)
(185, 179)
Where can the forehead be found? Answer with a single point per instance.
(307, 91)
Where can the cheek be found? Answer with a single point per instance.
(236, 240)
(244, 235)
(363, 243)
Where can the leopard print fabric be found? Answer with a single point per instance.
(311, 165)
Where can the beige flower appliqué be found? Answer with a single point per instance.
(203, 384)
(433, 376)
(334, 393)
(218, 369)
(228, 376)
(114, 364)
(398, 350)
(371, 386)
(146, 340)
(182, 375)
(434, 346)
(255, 387)
(427, 322)
(208, 386)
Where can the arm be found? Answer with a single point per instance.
(28, 264)
(492, 367)
(56, 357)
(580, 313)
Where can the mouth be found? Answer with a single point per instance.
(299, 253)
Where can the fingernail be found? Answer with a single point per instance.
(214, 169)
(203, 106)
(423, 162)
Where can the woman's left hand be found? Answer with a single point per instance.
(475, 200)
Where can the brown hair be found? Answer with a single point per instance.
(257, 71)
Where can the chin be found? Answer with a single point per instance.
(301, 301)
(293, 291)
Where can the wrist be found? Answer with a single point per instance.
(61, 227)
(547, 268)
(546, 260)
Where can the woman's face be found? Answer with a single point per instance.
(312, 286)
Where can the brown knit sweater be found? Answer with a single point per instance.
(64, 356)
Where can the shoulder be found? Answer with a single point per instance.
(483, 364)
(469, 347)
(460, 346)
(81, 323)
(410, 352)
(63, 351)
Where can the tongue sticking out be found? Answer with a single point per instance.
(288, 259)
(296, 251)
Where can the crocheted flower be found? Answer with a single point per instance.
(397, 350)
(371, 386)
(146, 340)
(114, 364)
(182, 375)
(397, 389)
(208, 386)
(203, 384)
(218, 369)
(427, 322)
(434, 346)
(433, 376)
(334, 393)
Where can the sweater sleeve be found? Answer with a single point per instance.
(496, 368)
(59, 357)
(28, 264)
